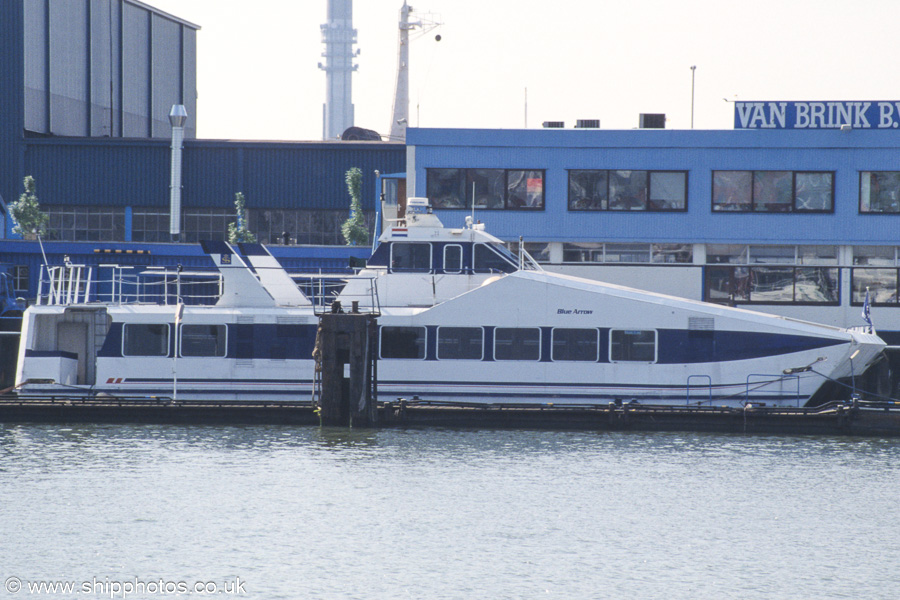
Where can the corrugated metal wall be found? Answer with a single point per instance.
(271, 175)
(106, 68)
(11, 100)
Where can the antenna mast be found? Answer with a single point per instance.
(400, 112)
(338, 36)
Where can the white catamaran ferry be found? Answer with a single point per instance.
(461, 319)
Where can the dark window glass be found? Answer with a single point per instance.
(460, 343)
(525, 189)
(628, 190)
(732, 190)
(446, 188)
(668, 190)
(879, 192)
(587, 190)
(203, 340)
(403, 342)
(632, 346)
(487, 260)
(453, 258)
(488, 185)
(773, 191)
(517, 343)
(145, 339)
(575, 344)
(411, 257)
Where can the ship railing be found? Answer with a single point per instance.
(117, 284)
(324, 290)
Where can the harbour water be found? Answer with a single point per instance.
(301, 512)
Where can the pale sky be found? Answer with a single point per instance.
(579, 59)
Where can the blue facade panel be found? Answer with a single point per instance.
(699, 153)
(97, 172)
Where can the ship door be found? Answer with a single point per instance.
(73, 337)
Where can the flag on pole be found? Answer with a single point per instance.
(866, 314)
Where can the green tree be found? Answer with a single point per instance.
(26, 212)
(354, 228)
(237, 231)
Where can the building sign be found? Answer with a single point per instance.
(817, 115)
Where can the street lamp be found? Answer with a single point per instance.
(177, 117)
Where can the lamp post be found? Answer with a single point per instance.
(693, 71)
(177, 117)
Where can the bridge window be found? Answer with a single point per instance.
(626, 345)
(575, 345)
(494, 259)
(879, 192)
(410, 257)
(145, 339)
(453, 258)
(403, 342)
(773, 191)
(460, 343)
(517, 343)
(491, 189)
(591, 189)
(203, 340)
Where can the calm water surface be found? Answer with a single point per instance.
(301, 512)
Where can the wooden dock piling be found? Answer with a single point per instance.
(346, 368)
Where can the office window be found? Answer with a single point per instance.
(591, 189)
(21, 277)
(403, 342)
(773, 191)
(772, 284)
(460, 343)
(632, 346)
(599, 252)
(145, 339)
(512, 343)
(880, 283)
(879, 192)
(85, 223)
(575, 344)
(487, 189)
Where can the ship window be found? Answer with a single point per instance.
(628, 345)
(403, 342)
(453, 257)
(879, 192)
(145, 339)
(489, 260)
(203, 340)
(575, 344)
(773, 191)
(410, 257)
(517, 343)
(460, 343)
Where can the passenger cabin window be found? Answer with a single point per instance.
(145, 339)
(576, 344)
(403, 342)
(203, 340)
(489, 259)
(517, 343)
(411, 257)
(461, 343)
(627, 345)
(453, 258)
